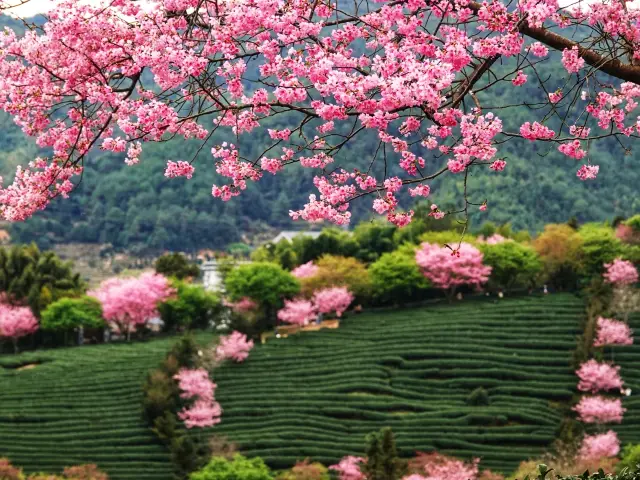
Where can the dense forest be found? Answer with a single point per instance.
(137, 208)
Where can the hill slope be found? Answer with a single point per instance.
(316, 394)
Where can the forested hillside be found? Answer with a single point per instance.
(137, 207)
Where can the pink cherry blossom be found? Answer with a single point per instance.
(603, 445)
(235, 347)
(596, 377)
(198, 387)
(297, 312)
(447, 269)
(128, 303)
(612, 332)
(571, 61)
(16, 322)
(305, 270)
(118, 75)
(332, 300)
(599, 409)
(620, 272)
(437, 466)
(349, 468)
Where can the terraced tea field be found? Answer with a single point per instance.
(318, 393)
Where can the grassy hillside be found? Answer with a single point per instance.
(317, 394)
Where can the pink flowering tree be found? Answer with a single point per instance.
(595, 377)
(234, 347)
(131, 302)
(195, 385)
(598, 409)
(602, 445)
(332, 300)
(612, 332)
(16, 322)
(349, 468)
(449, 269)
(297, 312)
(189, 68)
(620, 272)
(437, 466)
(306, 270)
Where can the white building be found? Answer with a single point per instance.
(291, 234)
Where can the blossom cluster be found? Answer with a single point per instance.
(595, 377)
(301, 311)
(196, 385)
(235, 347)
(612, 332)
(620, 272)
(16, 322)
(73, 91)
(598, 409)
(449, 268)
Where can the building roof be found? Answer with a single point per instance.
(291, 234)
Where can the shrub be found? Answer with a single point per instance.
(630, 458)
(240, 468)
(373, 239)
(305, 470)
(513, 264)
(478, 397)
(176, 265)
(84, 472)
(267, 284)
(191, 307)
(335, 271)
(599, 246)
(8, 471)
(68, 313)
(396, 278)
(559, 247)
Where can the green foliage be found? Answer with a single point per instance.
(633, 222)
(478, 397)
(239, 249)
(176, 265)
(240, 468)
(69, 313)
(263, 282)
(373, 239)
(599, 246)
(560, 249)
(35, 277)
(630, 458)
(396, 278)
(336, 271)
(192, 307)
(305, 471)
(332, 241)
(282, 253)
(513, 264)
(444, 237)
(382, 462)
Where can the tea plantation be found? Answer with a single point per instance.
(317, 394)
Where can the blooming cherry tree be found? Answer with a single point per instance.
(235, 347)
(197, 386)
(595, 377)
(447, 269)
(305, 270)
(437, 466)
(244, 305)
(602, 445)
(116, 75)
(16, 322)
(598, 409)
(332, 300)
(131, 302)
(612, 332)
(620, 272)
(298, 312)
